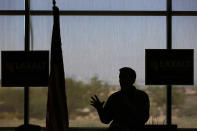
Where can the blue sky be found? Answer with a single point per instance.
(100, 4)
(99, 46)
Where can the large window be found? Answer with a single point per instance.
(184, 105)
(184, 5)
(12, 5)
(11, 99)
(100, 4)
(94, 49)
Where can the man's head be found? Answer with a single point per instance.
(127, 77)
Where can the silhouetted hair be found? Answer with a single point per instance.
(129, 73)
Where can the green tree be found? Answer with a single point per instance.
(38, 102)
(78, 97)
(11, 103)
(76, 94)
(79, 93)
(157, 95)
(12, 99)
(178, 96)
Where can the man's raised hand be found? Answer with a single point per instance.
(95, 102)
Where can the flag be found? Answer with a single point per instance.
(57, 112)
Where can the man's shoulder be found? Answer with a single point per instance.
(141, 93)
(114, 97)
(115, 94)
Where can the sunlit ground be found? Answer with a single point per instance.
(183, 122)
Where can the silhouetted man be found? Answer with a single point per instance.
(128, 108)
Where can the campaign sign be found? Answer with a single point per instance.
(169, 67)
(24, 68)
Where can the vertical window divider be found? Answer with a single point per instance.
(169, 47)
(27, 43)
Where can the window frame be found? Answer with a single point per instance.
(168, 13)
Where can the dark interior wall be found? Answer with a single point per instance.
(89, 129)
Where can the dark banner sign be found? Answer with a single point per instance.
(20, 68)
(169, 67)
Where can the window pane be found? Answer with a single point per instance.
(12, 5)
(184, 36)
(184, 5)
(11, 99)
(100, 4)
(12, 32)
(37, 110)
(94, 48)
(184, 105)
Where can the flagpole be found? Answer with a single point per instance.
(54, 2)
